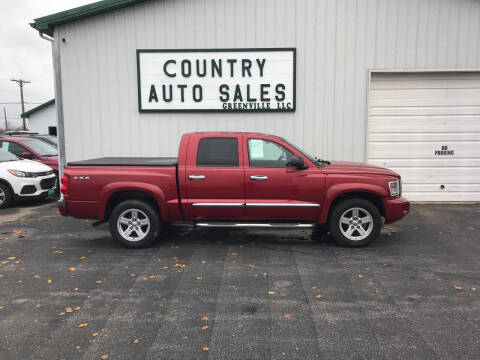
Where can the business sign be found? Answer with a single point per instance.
(220, 80)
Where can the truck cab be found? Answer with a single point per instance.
(233, 179)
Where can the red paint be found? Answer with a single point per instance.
(316, 187)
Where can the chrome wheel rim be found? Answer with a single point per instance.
(2, 196)
(133, 225)
(356, 224)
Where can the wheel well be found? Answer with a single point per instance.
(374, 199)
(5, 182)
(120, 196)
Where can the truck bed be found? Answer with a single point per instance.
(127, 161)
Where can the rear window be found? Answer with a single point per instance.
(217, 152)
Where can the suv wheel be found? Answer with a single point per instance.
(135, 224)
(355, 222)
(5, 196)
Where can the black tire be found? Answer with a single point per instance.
(7, 197)
(346, 209)
(144, 210)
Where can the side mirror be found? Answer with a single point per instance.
(297, 162)
(26, 155)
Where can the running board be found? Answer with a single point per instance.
(255, 225)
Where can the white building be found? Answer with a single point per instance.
(391, 82)
(43, 118)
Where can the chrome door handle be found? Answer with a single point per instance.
(259, 177)
(196, 177)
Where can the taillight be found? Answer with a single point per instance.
(64, 187)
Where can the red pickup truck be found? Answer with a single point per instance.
(237, 180)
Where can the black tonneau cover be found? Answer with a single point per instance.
(127, 161)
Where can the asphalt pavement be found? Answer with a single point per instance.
(67, 291)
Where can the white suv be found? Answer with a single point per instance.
(23, 179)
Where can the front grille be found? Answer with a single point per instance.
(45, 173)
(28, 189)
(47, 183)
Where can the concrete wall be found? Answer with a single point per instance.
(337, 42)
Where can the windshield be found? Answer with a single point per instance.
(40, 147)
(313, 159)
(7, 156)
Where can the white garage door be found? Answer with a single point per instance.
(426, 126)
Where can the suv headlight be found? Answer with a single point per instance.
(19, 173)
(395, 187)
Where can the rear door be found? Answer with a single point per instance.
(214, 178)
(275, 191)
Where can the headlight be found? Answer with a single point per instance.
(20, 173)
(395, 187)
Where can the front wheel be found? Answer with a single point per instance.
(135, 224)
(355, 222)
(5, 196)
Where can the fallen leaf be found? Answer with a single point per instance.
(152, 276)
(83, 325)
(62, 313)
(458, 287)
(36, 277)
(49, 281)
(68, 309)
(11, 258)
(83, 257)
(104, 357)
(204, 262)
(72, 269)
(318, 296)
(205, 327)
(38, 305)
(287, 316)
(95, 334)
(132, 275)
(99, 281)
(271, 292)
(199, 278)
(251, 266)
(204, 318)
(205, 348)
(180, 265)
(360, 276)
(314, 287)
(136, 341)
(76, 308)
(58, 252)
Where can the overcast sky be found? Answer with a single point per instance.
(23, 54)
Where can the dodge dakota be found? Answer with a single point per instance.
(230, 179)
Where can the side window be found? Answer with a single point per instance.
(265, 153)
(217, 152)
(14, 148)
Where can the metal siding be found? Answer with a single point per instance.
(337, 42)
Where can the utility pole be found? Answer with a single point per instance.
(5, 115)
(20, 83)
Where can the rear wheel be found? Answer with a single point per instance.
(5, 196)
(135, 224)
(355, 222)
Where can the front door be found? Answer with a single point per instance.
(275, 191)
(215, 183)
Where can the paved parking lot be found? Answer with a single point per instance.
(67, 291)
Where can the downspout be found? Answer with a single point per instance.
(57, 78)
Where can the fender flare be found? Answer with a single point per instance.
(335, 191)
(109, 190)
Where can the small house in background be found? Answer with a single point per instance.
(43, 118)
